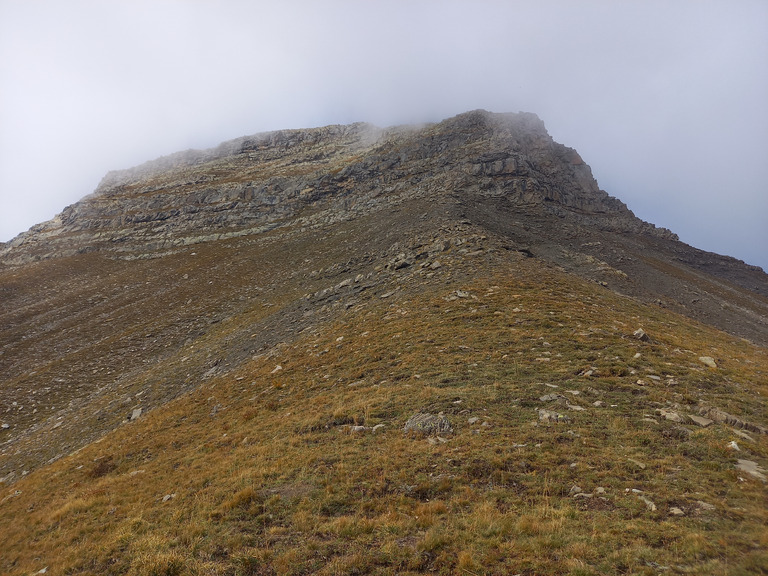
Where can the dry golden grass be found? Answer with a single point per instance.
(275, 482)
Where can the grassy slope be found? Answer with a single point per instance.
(266, 477)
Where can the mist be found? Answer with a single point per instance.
(666, 101)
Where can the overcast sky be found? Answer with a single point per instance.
(666, 100)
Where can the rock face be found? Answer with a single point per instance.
(173, 272)
(268, 180)
(502, 172)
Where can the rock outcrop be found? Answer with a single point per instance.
(173, 272)
(260, 182)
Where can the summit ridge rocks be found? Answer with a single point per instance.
(502, 172)
(256, 183)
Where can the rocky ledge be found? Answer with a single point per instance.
(255, 183)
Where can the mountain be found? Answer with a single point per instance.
(208, 363)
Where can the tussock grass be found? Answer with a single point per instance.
(275, 481)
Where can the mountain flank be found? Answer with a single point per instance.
(421, 349)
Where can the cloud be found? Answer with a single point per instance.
(665, 100)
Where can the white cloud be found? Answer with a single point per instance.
(665, 100)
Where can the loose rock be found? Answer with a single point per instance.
(641, 335)
(648, 504)
(637, 463)
(751, 468)
(549, 416)
(425, 423)
(670, 415)
(700, 420)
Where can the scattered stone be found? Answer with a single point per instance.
(637, 355)
(675, 511)
(751, 468)
(425, 423)
(670, 415)
(708, 361)
(680, 432)
(719, 416)
(598, 403)
(354, 429)
(434, 440)
(599, 490)
(582, 495)
(575, 490)
(169, 497)
(648, 504)
(136, 414)
(552, 397)
(387, 294)
(641, 335)
(377, 428)
(5, 426)
(276, 369)
(435, 265)
(637, 463)
(700, 420)
(473, 420)
(654, 377)
(733, 446)
(705, 506)
(743, 435)
(549, 416)
(574, 407)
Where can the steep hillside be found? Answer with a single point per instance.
(208, 365)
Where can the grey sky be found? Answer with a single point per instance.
(667, 100)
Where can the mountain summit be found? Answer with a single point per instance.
(260, 182)
(351, 349)
(501, 172)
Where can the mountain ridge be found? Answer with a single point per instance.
(205, 345)
(329, 152)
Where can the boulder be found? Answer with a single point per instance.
(428, 424)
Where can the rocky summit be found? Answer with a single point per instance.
(351, 349)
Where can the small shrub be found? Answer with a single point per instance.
(102, 467)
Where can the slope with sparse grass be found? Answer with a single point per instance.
(265, 471)
(209, 366)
